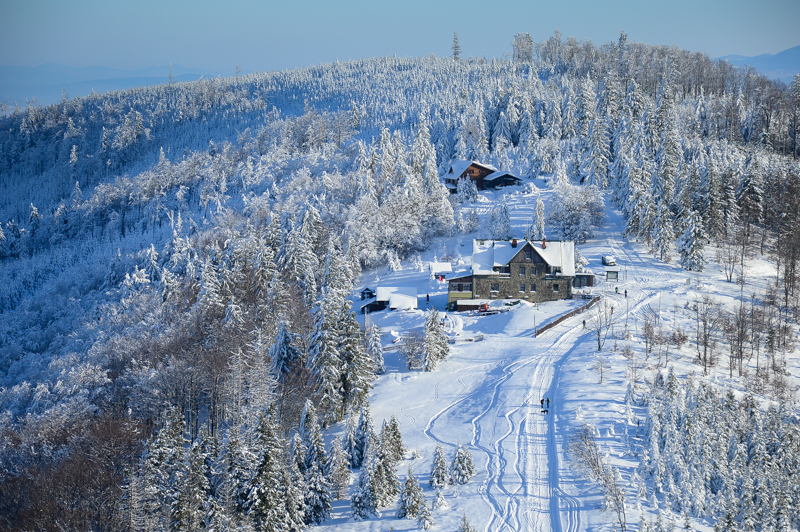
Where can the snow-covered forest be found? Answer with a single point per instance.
(178, 342)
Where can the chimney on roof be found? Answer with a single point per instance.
(514, 243)
(544, 243)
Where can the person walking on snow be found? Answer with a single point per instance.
(548, 403)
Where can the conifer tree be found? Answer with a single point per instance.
(411, 498)
(385, 477)
(363, 502)
(188, 511)
(317, 495)
(357, 372)
(424, 517)
(691, 243)
(324, 359)
(266, 502)
(392, 440)
(339, 470)
(465, 526)
(375, 349)
(440, 475)
(462, 469)
(435, 342)
(283, 353)
(309, 432)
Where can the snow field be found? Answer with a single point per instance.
(486, 394)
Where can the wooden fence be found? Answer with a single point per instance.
(569, 314)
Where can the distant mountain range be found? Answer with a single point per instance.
(46, 82)
(781, 66)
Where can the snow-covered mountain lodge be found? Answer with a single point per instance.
(484, 175)
(518, 269)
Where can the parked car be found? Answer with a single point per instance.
(609, 260)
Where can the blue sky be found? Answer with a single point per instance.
(266, 35)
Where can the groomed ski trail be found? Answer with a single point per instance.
(517, 441)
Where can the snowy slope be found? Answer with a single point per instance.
(487, 394)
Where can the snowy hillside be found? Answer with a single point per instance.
(181, 343)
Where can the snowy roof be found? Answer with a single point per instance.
(401, 297)
(459, 167)
(499, 173)
(463, 274)
(488, 254)
(613, 268)
(441, 267)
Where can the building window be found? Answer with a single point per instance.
(522, 270)
(533, 288)
(522, 287)
(495, 287)
(527, 255)
(555, 288)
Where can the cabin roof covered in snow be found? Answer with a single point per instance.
(488, 254)
(440, 267)
(400, 297)
(499, 173)
(461, 274)
(460, 166)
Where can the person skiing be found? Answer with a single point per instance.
(626, 293)
(427, 298)
(616, 288)
(584, 324)
(548, 403)
(542, 402)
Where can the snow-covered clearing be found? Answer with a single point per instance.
(487, 394)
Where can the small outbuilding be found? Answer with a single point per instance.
(393, 297)
(367, 293)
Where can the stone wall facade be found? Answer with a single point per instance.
(533, 288)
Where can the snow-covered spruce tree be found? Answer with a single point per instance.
(324, 359)
(375, 349)
(283, 353)
(316, 495)
(309, 432)
(350, 437)
(440, 502)
(363, 503)
(440, 474)
(462, 469)
(392, 440)
(164, 471)
(498, 223)
(538, 219)
(662, 233)
(338, 470)
(424, 517)
(364, 432)
(465, 526)
(411, 498)
(267, 503)
(357, 370)
(691, 243)
(188, 510)
(435, 344)
(466, 191)
(387, 486)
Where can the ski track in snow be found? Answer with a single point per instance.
(516, 439)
